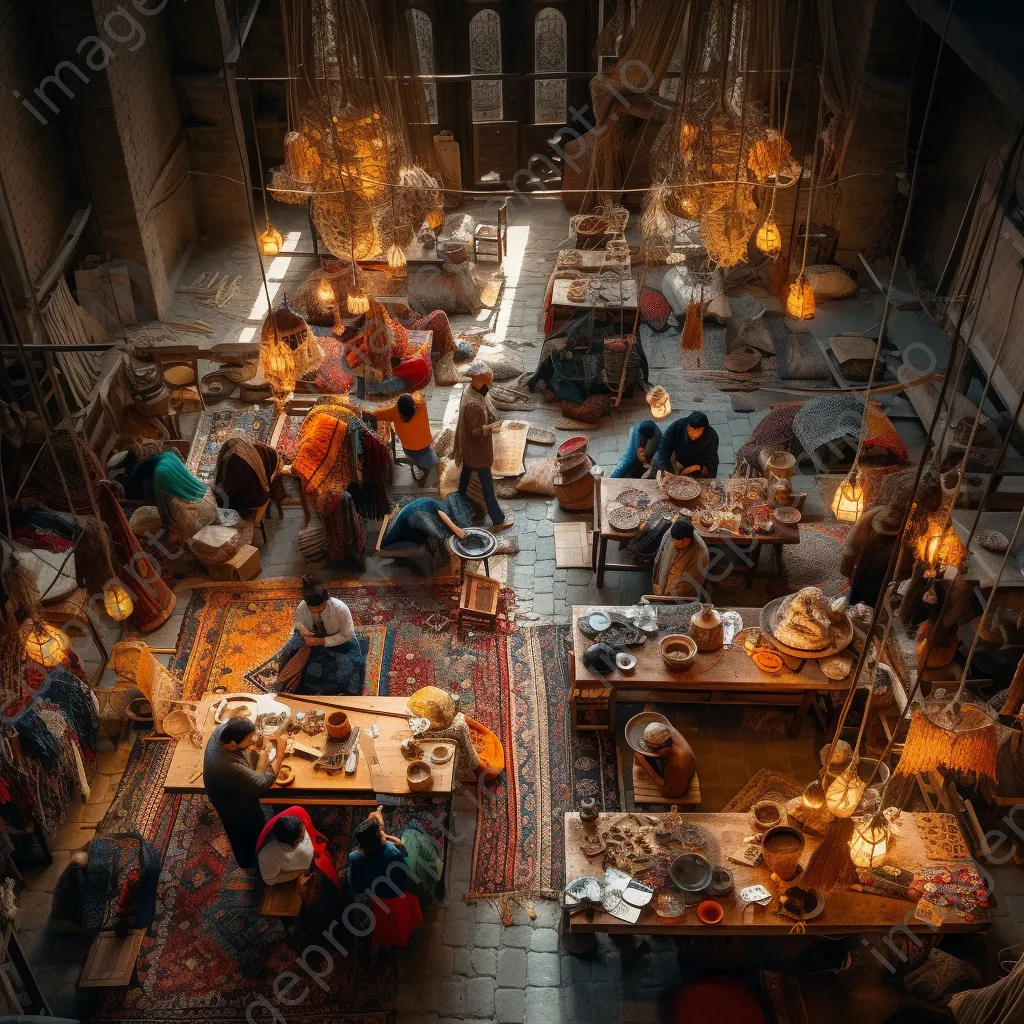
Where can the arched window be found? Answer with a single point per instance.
(485, 58)
(550, 54)
(422, 29)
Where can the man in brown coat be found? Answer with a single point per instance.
(473, 445)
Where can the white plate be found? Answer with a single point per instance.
(599, 621)
(636, 894)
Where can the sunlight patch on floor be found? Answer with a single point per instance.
(513, 266)
(276, 270)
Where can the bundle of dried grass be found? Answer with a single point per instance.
(692, 338)
(1015, 698)
(830, 865)
(93, 555)
(19, 588)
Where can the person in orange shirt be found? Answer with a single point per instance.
(409, 415)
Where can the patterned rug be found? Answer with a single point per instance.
(217, 425)
(513, 681)
(211, 955)
(287, 439)
(763, 785)
(330, 378)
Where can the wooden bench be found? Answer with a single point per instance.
(598, 696)
(646, 789)
(111, 960)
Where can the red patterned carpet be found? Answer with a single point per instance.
(513, 681)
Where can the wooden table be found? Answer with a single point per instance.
(562, 308)
(318, 788)
(727, 676)
(607, 499)
(983, 567)
(846, 912)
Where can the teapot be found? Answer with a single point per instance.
(706, 628)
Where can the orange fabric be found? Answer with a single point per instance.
(414, 435)
(488, 747)
(321, 446)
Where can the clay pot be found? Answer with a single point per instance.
(707, 629)
(710, 912)
(338, 725)
(782, 847)
(419, 776)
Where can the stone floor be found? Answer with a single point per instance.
(463, 965)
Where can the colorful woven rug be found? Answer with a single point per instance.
(331, 378)
(217, 425)
(286, 437)
(514, 681)
(211, 955)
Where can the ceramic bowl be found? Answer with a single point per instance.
(419, 776)
(691, 874)
(286, 776)
(710, 912)
(677, 651)
(625, 662)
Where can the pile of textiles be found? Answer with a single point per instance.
(115, 890)
(575, 363)
(774, 432)
(828, 418)
(336, 453)
(41, 528)
(49, 752)
(417, 522)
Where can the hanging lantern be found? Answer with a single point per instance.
(769, 239)
(325, 292)
(870, 841)
(800, 300)
(117, 601)
(848, 501)
(396, 258)
(271, 241)
(434, 219)
(845, 792)
(46, 645)
(660, 402)
(939, 547)
(813, 797)
(358, 303)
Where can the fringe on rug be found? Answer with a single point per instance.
(506, 902)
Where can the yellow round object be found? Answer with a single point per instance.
(769, 238)
(179, 376)
(117, 602)
(800, 300)
(271, 241)
(434, 703)
(45, 644)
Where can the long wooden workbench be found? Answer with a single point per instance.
(726, 676)
(846, 912)
(381, 767)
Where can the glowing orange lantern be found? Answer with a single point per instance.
(800, 301)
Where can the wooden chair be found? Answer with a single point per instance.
(647, 788)
(589, 698)
(491, 240)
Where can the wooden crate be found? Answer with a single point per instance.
(478, 605)
(111, 960)
(647, 790)
(244, 566)
(281, 900)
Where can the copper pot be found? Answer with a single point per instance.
(782, 847)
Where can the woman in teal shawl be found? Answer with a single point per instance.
(183, 501)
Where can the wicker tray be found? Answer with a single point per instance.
(624, 518)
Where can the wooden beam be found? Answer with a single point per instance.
(59, 261)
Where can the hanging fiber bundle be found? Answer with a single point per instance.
(830, 866)
(692, 339)
(93, 556)
(968, 748)
(18, 585)
(1015, 697)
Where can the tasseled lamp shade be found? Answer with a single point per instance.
(117, 602)
(325, 292)
(769, 239)
(271, 241)
(800, 300)
(958, 738)
(848, 501)
(396, 258)
(45, 644)
(358, 303)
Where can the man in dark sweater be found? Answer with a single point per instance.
(235, 787)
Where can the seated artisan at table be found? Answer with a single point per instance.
(234, 786)
(681, 564)
(324, 656)
(644, 441)
(689, 447)
(372, 871)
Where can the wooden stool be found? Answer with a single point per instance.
(590, 697)
(281, 900)
(478, 604)
(647, 788)
(111, 960)
(258, 519)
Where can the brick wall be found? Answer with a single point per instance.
(32, 155)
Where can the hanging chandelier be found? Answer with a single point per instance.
(955, 735)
